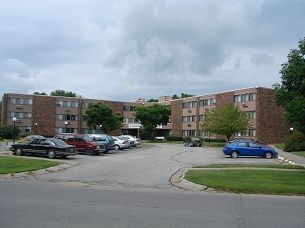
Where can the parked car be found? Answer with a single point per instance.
(83, 143)
(120, 144)
(49, 147)
(31, 137)
(103, 140)
(134, 141)
(193, 142)
(249, 148)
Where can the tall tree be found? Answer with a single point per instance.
(38, 93)
(226, 120)
(290, 94)
(101, 116)
(183, 95)
(152, 116)
(63, 93)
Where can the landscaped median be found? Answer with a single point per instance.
(12, 165)
(256, 179)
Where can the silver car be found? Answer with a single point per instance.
(120, 143)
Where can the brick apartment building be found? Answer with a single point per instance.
(48, 115)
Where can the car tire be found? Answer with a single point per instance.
(234, 154)
(117, 147)
(18, 152)
(51, 154)
(268, 155)
(89, 151)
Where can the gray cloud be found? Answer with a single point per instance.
(122, 50)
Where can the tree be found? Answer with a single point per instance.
(38, 93)
(290, 94)
(152, 100)
(226, 120)
(101, 116)
(183, 95)
(63, 93)
(152, 116)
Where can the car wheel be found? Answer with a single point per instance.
(89, 151)
(18, 151)
(268, 155)
(51, 154)
(116, 147)
(234, 154)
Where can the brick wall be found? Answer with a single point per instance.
(271, 125)
(44, 109)
(176, 117)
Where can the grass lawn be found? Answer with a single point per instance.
(299, 153)
(10, 164)
(258, 181)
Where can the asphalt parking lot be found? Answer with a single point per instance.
(149, 167)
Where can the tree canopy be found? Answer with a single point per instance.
(101, 116)
(290, 94)
(40, 93)
(63, 93)
(152, 116)
(183, 95)
(226, 120)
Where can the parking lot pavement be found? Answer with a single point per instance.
(147, 167)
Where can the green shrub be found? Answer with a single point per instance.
(9, 132)
(214, 140)
(295, 142)
(174, 138)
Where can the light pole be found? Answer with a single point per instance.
(66, 124)
(101, 125)
(36, 124)
(291, 130)
(14, 132)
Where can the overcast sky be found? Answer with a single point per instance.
(128, 49)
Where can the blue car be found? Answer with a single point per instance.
(249, 148)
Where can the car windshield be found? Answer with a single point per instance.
(87, 138)
(58, 142)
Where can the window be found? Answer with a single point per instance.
(20, 101)
(245, 97)
(252, 114)
(187, 119)
(129, 108)
(190, 104)
(129, 120)
(66, 117)
(66, 104)
(207, 102)
(19, 115)
(189, 133)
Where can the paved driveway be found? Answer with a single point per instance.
(148, 167)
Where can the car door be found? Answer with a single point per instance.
(38, 146)
(255, 149)
(80, 144)
(243, 148)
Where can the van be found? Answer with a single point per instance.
(103, 139)
(83, 143)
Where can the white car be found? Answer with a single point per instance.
(120, 144)
(132, 140)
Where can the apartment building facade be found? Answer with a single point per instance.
(48, 115)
